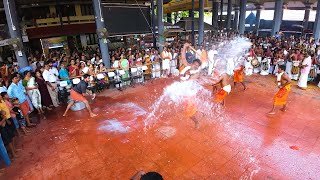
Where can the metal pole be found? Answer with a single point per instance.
(160, 25)
(221, 11)
(192, 22)
(201, 22)
(154, 39)
(100, 25)
(14, 30)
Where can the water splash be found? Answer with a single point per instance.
(115, 126)
(176, 95)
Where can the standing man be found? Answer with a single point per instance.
(17, 90)
(78, 93)
(284, 85)
(211, 54)
(304, 73)
(166, 58)
(50, 76)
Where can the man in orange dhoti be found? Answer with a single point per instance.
(238, 77)
(284, 84)
(225, 90)
(190, 72)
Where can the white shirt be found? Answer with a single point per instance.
(115, 64)
(49, 76)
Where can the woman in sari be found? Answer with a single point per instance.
(73, 69)
(45, 96)
(124, 65)
(31, 86)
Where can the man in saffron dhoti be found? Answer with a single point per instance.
(238, 77)
(284, 85)
(221, 78)
(190, 72)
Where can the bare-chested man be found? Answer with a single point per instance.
(284, 85)
(222, 78)
(190, 71)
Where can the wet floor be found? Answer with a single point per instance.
(242, 142)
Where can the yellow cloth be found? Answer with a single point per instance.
(280, 98)
(4, 107)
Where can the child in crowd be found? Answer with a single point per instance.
(7, 133)
(6, 99)
(19, 116)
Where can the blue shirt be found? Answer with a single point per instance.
(63, 73)
(17, 91)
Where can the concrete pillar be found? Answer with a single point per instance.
(221, 12)
(192, 23)
(306, 15)
(215, 10)
(14, 30)
(100, 25)
(236, 18)
(161, 39)
(277, 17)
(153, 22)
(242, 18)
(201, 22)
(169, 19)
(257, 24)
(316, 30)
(228, 25)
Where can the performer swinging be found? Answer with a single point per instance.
(238, 77)
(284, 85)
(223, 80)
(190, 72)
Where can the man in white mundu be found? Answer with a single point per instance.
(304, 73)
(166, 57)
(211, 54)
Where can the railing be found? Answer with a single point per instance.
(65, 20)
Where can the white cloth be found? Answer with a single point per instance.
(3, 89)
(34, 94)
(115, 64)
(248, 67)
(289, 68)
(165, 64)
(303, 81)
(49, 76)
(211, 55)
(227, 88)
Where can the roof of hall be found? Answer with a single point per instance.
(266, 4)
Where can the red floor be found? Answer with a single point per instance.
(244, 143)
